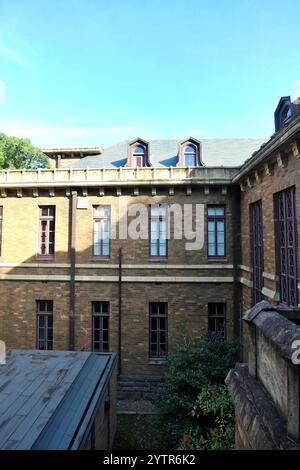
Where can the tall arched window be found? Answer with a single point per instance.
(139, 155)
(190, 155)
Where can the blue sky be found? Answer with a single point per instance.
(93, 72)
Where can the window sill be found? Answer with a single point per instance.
(220, 259)
(157, 362)
(158, 258)
(100, 258)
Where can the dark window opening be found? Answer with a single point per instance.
(257, 257)
(158, 330)
(217, 318)
(44, 310)
(100, 326)
(286, 246)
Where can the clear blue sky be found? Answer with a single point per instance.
(93, 72)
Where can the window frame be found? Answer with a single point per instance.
(256, 249)
(215, 219)
(215, 317)
(101, 219)
(286, 281)
(48, 218)
(47, 315)
(190, 154)
(100, 315)
(159, 218)
(139, 158)
(158, 316)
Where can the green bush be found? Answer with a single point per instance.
(193, 369)
(214, 405)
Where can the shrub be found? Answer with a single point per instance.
(192, 369)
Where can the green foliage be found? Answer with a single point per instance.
(192, 369)
(18, 153)
(213, 404)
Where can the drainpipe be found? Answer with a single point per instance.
(73, 203)
(120, 313)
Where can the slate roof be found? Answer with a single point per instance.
(47, 398)
(215, 152)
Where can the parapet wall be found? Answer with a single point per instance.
(266, 389)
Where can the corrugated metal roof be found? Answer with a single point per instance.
(45, 396)
(164, 152)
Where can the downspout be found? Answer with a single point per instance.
(73, 203)
(120, 313)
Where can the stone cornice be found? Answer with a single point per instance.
(106, 177)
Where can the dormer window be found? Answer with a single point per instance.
(138, 156)
(286, 109)
(137, 153)
(190, 155)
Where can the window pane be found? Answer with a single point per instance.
(105, 248)
(163, 248)
(221, 250)
(219, 210)
(211, 211)
(190, 149)
(104, 307)
(190, 160)
(139, 149)
(97, 250)
(154, 249)
(220, 237)
(211, 237)
(211, 226)
(211, 250)
(154, 308)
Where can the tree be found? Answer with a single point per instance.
(194, 405)
(18, 153)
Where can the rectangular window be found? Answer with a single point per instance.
(47, 231)
(158, 231)
(216, 231)
(257, 256)
(286, 244)
(44, 310)
(1, 218)
(100, 326)
(217, 318)
(158, 330)
(101, 235)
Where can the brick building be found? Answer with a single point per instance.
(270, 211)
(67, 283)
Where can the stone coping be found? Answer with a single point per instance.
(279, 330)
